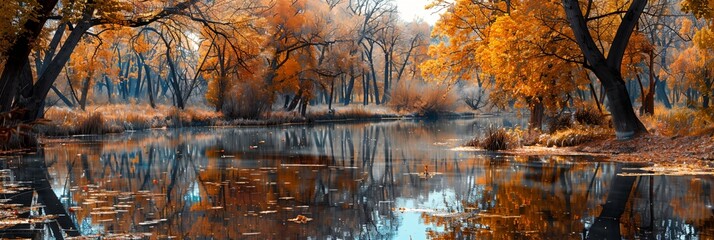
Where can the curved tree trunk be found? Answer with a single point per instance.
(626, 123)
(17, 55)
(34, 103)
(607, 224)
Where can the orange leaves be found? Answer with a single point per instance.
(704, 39)
(637, 51)
(141, 45)
(700, 8)
(694, 65)
(521, 50)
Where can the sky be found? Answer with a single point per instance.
(411, 9)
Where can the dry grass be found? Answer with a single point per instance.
(427, 100)
(350, 112)
(679, 121)
(122, 117)
(497, 139)
(575, 135)
(92, 124)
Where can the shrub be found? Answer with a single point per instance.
(426, 100)
(247, 101)
(530, 137)
(405, 97)
(436, 101)
(354, 112)
(589, 116)
(559, 122)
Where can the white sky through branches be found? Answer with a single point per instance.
(412, 9)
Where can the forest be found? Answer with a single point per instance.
(340, 119)
(76, 63)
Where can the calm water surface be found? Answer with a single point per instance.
(387, 180)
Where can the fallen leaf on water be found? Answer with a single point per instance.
(300, 219)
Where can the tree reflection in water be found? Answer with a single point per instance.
(358, 181)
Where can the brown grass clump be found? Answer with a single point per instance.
(91, 124)
(354, 112)
(498, 139)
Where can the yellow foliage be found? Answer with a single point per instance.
(520, 50)
(679, 121)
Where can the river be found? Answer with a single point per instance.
(376, 180)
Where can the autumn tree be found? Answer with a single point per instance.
(662, 27)
(519, 45)
(233, 64)
(694, 67)
(81, 16)
(700, 62)
(608, 68)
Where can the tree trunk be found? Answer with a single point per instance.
(647, 97)
(387, 75)
(109, 85)
(286, 103)
(707, 91)
(17, 54)
(365, 88)
(372, 72)
(85, 92)
(661, 94)
(597, 102)
(45, 81)
(139, 80)
(62, 97)
(705, 101)
(332, 94)
(607, 224)
(149, 85)
(350, 86)
(296, 100)
(303, 109)
(626, 123)
(536, 119)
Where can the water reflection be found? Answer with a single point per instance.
(371, 180)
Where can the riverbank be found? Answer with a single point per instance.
(649, 148)
(676, 136)
(122, 118)
(655, 148)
